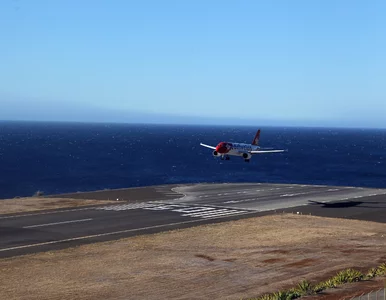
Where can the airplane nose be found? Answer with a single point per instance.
(221, 148)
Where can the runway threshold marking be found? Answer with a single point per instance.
(107, 234)
(194, 211)
(58, 223)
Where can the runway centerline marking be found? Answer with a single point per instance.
(46, 213)
(58, 223)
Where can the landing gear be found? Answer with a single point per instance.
(246, 160)
(227, 157)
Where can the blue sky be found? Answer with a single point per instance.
(239, 62)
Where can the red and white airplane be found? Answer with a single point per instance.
(224, 149)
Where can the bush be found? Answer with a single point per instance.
(319, 287)
(381, 270)
(304, 288)
(265, 297)
(371, 273)
(294, 293)
(330, 284)
(354, 275)
(349, 275)
(282, 295)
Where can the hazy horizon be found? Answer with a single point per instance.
(181, 120)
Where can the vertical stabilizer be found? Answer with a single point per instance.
(255, 141)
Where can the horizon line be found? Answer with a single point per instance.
(191, 124)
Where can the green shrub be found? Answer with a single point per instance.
(294, 293)
(371, 273)
(319, 287)
(354, 275)
(340, 278)
(381, 270)
(304, 288)
(349, 275)
(285, 295)
(280, 295)
(330, 284)
(264, 297)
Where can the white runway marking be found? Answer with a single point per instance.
(232, 201)
(128, 206)
(46, 213)
(239, 201)
(186, 210)
(58, 223)
(291, 195)
(223, 212)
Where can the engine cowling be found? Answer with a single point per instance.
(215, 153)
(247, 155)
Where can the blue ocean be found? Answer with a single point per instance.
(69, 157)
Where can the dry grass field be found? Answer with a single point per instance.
(230, 260)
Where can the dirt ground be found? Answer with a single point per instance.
(29, 204)
(232, 260)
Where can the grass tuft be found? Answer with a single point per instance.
(381, 270)
(371, 273)
(346, 276)
(304, 288)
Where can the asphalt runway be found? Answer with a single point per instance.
(155, 209)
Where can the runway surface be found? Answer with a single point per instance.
(154, 209)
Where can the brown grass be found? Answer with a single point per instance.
(243, 258)
(29, 204)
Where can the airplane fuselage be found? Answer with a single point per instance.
(237, 149)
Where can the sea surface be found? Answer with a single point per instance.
(69, 157)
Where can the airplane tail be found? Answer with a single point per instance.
(256, 139)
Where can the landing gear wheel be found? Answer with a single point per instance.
(246, 160)
(227, 158)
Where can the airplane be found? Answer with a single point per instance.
(225, 149)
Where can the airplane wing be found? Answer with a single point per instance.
(207, 146)
(266, 151)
